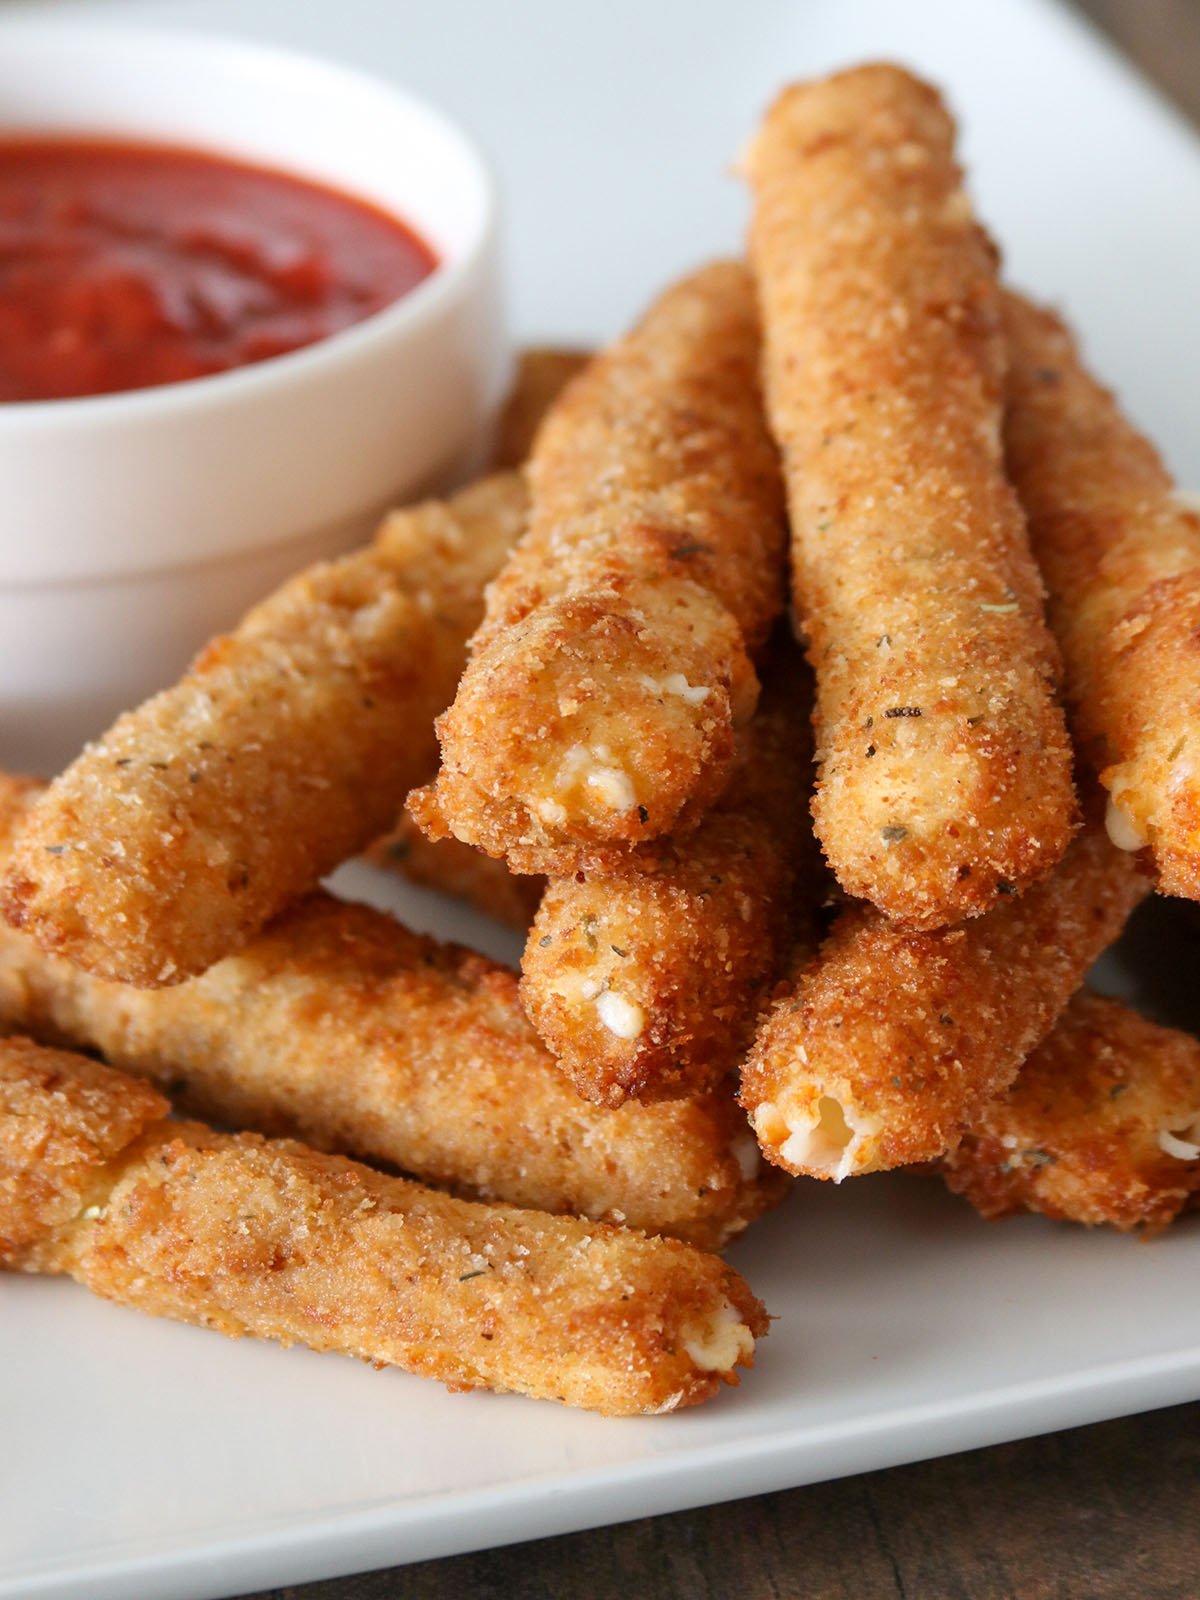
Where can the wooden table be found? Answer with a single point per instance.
(1110, 1512)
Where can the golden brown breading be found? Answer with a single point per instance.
(647, 982)
(289, 745)
(446, 864)
(888, 1045)
(460, 870)
(48, 1166)
(275, 1240)
(600, 701)
(1101, 1126)
(943, 762)
(1121, 558)
(341, 1027)
(303, 730)
(542, 374)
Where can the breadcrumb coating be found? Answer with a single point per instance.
(543, 372)
(49, 1165)
(446, 864)
(1101, 1127)
(647, 981)
(272, 1239)
(881, 1051)
(340, 1027)
(944, 768)
(1121, 559)
(289, 745)
(604, 686)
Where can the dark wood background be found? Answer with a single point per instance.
(1104, 1513)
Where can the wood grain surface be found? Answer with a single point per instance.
(1110, 1512)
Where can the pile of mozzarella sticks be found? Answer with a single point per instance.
(820, 918)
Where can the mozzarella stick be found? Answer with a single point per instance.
(288, 746)
(944, 769)
(886, 1047)
(599, 705)
(1121, 558)
(340, 1027)
(272, 1239)
(542, 374)
(446, 864)
(1101, 1127)
(647, 982)
(460, 870)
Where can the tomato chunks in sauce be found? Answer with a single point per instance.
(123, 266)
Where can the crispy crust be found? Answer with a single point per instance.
(599, 704)
(542, 374)
(341, 1027)
(460, 870)
(1121, 558)
(647, 982)
(275, 1240)
(61, 1122)
(289, 745)
(886, 1047)
(1077, 1137)
(944, 766)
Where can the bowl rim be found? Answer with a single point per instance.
(262, 379)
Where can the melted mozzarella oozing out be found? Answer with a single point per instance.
(675, 683)
(823, 1139)
(1184, 1142)
(623, 1017)
(1120, 827)
(720, 1341)
(594, 767)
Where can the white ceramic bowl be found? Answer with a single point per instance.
(136, 525)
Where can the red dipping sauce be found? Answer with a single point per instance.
(123, 266)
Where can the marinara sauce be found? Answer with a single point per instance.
(123, 265)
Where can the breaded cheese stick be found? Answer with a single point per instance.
(1121, 558)
(446, 864)
(944, 769)
(543, 372)
(647, 982)
(599, 704)
(1101, 1127)
(888, 1045)
(272, 1239)
(339, 1026)
(460, 870)
(289, 745)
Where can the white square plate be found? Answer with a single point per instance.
(141, 1458)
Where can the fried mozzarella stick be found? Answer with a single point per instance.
(288, 746)
(599, 704)
(542, 374)
(1101, 1127)
(340, 1027)
(944, 773)
(272, 1239)
(647, 982)
(446, 864)
(889, 1044)
(1121, 559)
